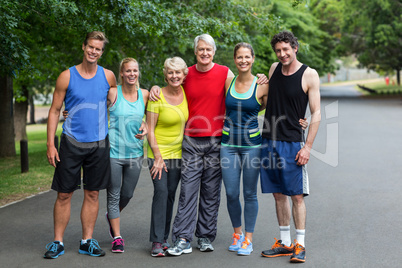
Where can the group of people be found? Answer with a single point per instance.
(202, 128)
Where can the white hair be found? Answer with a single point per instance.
(207, 39)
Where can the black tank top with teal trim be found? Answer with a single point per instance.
(241, 123)
(287, 103)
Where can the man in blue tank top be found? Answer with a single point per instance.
(284, 155)
(84, 143)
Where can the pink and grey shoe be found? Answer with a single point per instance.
(118, 245)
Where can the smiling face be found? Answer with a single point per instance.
(175, 77)
(204, 53)
(285, 53)
(93, 50)
(129, 73)
(244, 59)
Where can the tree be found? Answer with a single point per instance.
(373, 31)
(41, 38)
(316, 45)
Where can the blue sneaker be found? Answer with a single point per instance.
(246, 248)
(180, 246)
(91, 248)
(236, 242)
(54, 250)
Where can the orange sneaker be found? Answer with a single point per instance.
(278, 250)
(299, 253)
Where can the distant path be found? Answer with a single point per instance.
(344, 89)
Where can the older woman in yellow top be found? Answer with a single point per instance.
(166, 119)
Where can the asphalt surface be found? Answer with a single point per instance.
(354, 210)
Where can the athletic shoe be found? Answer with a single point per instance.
(204, 244)
(111, 233)
(91, 248)
(236, 242)
(180, 246)
(246, 248)
(278, 250)
(157, 250)
(299, 253)
(54, 250)
(165, 245)
(118, 245)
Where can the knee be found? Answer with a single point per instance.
(232, 194)
(91, 195)
(64, 197)
(250, 195)
(298, 200)
(280, 198)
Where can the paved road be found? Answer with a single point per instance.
(354, 210)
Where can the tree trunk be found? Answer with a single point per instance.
(398, 77)
(7, 143)
(31, 109)
(20, 116)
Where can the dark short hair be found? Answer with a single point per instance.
(97, 35)
(284, 36)
(245, 45)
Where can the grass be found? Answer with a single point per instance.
(15, 185)
(381, 88)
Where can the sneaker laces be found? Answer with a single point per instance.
(277, 244)
(52, 246)
(204, 240)
(298, 248)
(93, 244)
(245, 243)
(118, 242)
(156, 245)
(236, 238)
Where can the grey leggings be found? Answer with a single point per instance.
(163, 199)
(125, 175)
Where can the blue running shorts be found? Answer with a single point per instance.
(279, 170)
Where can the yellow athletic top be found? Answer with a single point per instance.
(169, 128)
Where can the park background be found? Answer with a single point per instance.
(354, 214)
(41, 38)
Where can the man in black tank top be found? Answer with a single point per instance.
(285, 152)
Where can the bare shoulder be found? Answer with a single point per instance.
(310, 80)
(311, 73)
(145, 93)
(272, 69)
(63, 80)
(111, 78)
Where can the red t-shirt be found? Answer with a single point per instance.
(205, 93)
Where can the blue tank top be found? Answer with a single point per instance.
(86, 104)
(125, 121)
(241, 124)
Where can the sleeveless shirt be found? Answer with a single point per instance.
(125, 121)
(241, 124)
(287, 103)
(86, 104)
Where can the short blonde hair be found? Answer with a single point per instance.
(175, 63)
(96, 35)
(127, 60)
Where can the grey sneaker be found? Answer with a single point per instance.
(165, 245)
(157, 250)
(180, 246)
(204, 244)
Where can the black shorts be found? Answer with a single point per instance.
(93, 157)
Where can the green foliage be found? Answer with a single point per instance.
(373, 31)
